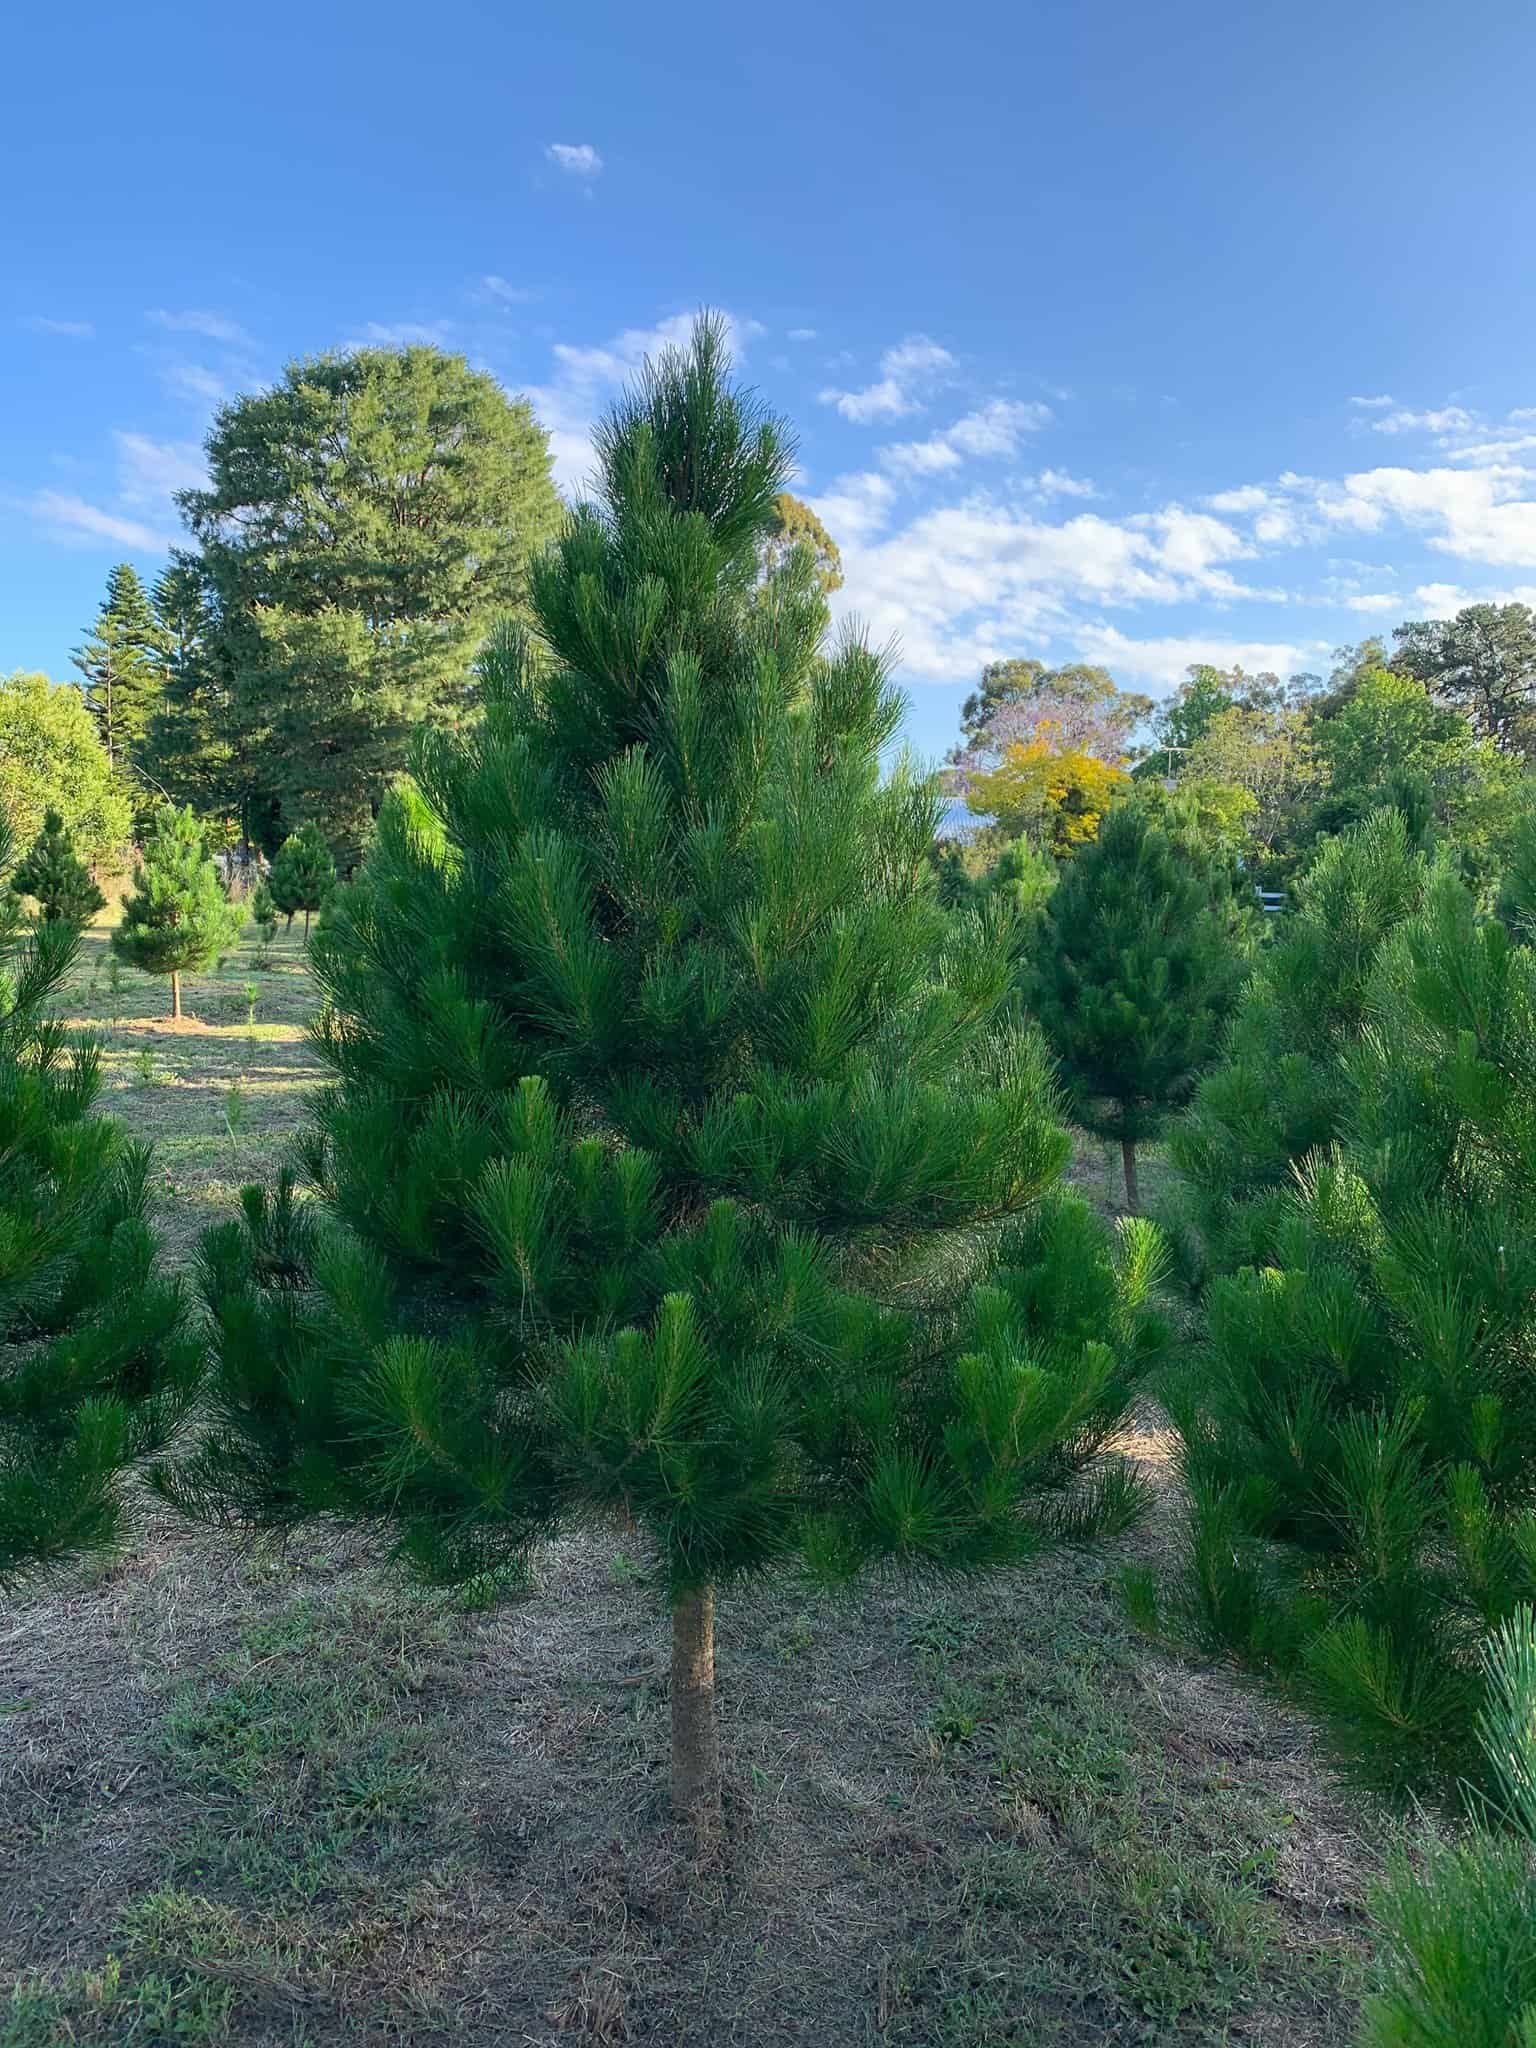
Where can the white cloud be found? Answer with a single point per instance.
(404, 334)
(1165, 660)
(1373, 601)
(212, 326)
(1056, 483)
(1386, 398)
(1448, 419)
(73, 519)
(68, 330)
(905, 373)
(576, 159)
(506, 292)
(151, 472)
(193, 381)
(802, 334)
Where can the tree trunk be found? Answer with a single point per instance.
(695, 1732)
(175, 998)
(1132, 1189)
(306, 924)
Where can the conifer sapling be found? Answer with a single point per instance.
(56, 879)
(302, 875)
(673, 1117)
(178, 917)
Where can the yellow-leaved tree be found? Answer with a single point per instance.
(1051, 792)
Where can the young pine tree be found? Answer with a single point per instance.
(1280, 1089)
(96, 1358)
(56, 879)
(178, 917)
(670, 1113)
(264, 915)
(120, 667)
(302, 875)
(1360, 1423)
(1135, 968)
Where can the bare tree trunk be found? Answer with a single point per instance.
(695, 1732)
(1132, 1188)
(306, 924)
(175, 998)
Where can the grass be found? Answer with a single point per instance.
(272, 1796)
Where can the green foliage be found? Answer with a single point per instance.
(118, 666)
(1360, 1425)
(52, 760)
(96, 1361)
(364, 523)
(302, 875)
(265, 913)
(1083, 705)
(195, 749)
(57, 881)
(672, 1114)
(178, 917)
(1483, 663)
(1460, 1927)
(1137, 965)
(1280, 1090)
(795, 525)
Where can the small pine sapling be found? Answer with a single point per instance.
(178, 918)
(56, 879)
(303, 874)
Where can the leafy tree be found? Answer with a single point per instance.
(1217, 815)
(52, 760)
(1482, 662)
(178, 917)
(364, 523)
(56, 879)
(796, 525)
(196, 750)
(1360, 1424)
(1186, 718)
(1272, 754)
(1050, 792)
(302, 875)
(1082, 703)
(1139, 958)
(660, 1074)
(121, 675)
(97, 1361)
(1279, 1091)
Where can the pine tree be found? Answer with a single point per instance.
(1359, 1424)
(673, 1116)
(264, 915)
(57, 881)
(303, 874)
(178, 917)
(123, 680)
(97, 1361)
(1279, 1091)
(195, 750)
(1134, 971)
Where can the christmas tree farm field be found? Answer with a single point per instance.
(270, 1796)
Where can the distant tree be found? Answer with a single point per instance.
(796, 525)
(302, 875)
(1135, 969)
(1049, 791)
(118, 664)
(1272, 754)
(97, 1360)
(51, 759)
(264, 914)
(56, 879)
(178, 917)
(364, 523)
(1082, 703)
(1482, 662)
(195, 749)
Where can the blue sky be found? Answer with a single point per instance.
(1136, 333)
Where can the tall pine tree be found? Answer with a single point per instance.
(1133, 973)
(122, 676)
(178, 917)
(673, 1116)
(97, 1358)
(195, 749)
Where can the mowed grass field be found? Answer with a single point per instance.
(273, 1795)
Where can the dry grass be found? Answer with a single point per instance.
(277, 1798)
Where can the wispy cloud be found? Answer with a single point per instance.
(211, 326)
(195, 381)
(576, 159)
(1447, 419)
(992, 430)
(74, 520)
(405, 334)
(906, 372)
(505, 292)
(151, 472)
(1371, 404)
(802, 334)
(68, 330)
